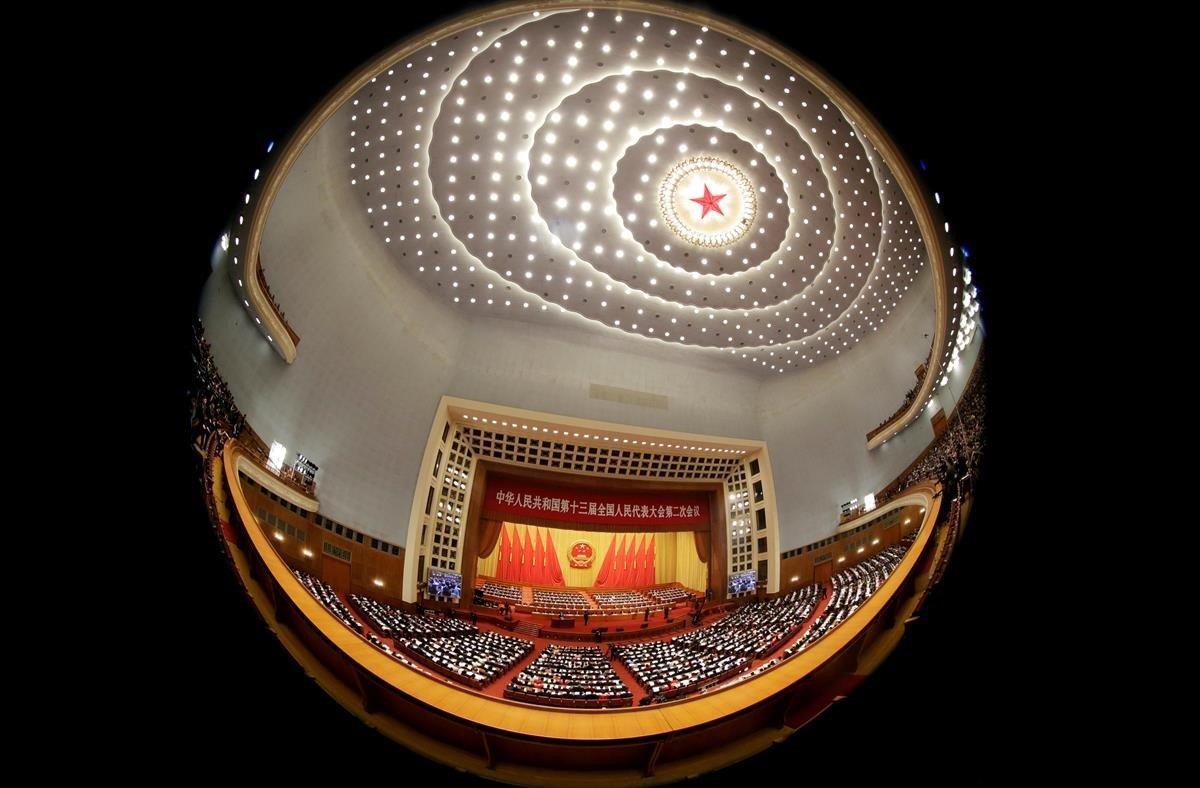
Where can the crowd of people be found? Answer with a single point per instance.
(477, 659)
(329, 598)
(212, 402)
(584, 676)
(953, 523)
(958, 450)
(712, 654)
(758, 628)
(570, 676)
(668, 669)
(851, 587)
(392, 623)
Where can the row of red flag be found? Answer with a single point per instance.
(628, 562)
(527, 563)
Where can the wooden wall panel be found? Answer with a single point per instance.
(889, 530)
(358, 577)
(938, 422)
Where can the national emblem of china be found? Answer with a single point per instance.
(581, 554)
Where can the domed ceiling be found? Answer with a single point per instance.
(645, 173)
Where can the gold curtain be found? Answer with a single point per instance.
(676, 556)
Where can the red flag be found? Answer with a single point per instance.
(639, 561)
(651, 572)
(527, 559)
(639, 571)
(514, 564)
(627, 559)
(502, 559)
(606, 568)
(539, 562)
(554, 575)
(518, 562)
(618, 567)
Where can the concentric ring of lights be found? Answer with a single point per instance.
(440, 150)
(747, 207)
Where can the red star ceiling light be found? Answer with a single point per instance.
(709, 202)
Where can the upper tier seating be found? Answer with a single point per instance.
(213, 407)
(958, 451)
(570, 676)
(851, 587)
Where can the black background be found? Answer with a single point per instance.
(955, 702)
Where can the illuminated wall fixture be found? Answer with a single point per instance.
(278, 536)
(277, 456)
(875, 540)
(967, 321)
(307, 553)
(861, 548)
(795, 578)
(379, 582)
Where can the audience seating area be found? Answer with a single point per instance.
(669, 595)
(583, 676)
(570, 602)
(392, 623)
(578, 676)
(958, 451)
(502, 591)
(623, 601)
(329, 598)
(554, 602)
(476, 660)
(851, 587)
(668, 669)
(758, 628)
(212, 402)
(716, 652)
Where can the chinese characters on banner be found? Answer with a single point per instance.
(521, 497)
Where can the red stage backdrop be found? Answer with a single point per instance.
(514, 498)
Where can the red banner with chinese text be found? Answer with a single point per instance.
(516, 498)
